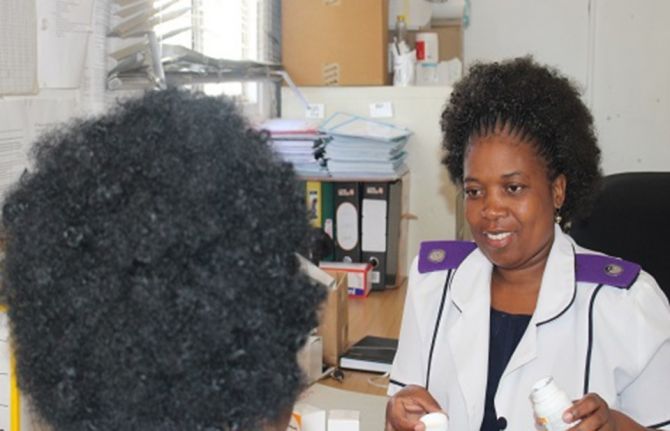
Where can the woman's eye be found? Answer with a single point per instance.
(471, 193)
(515, 188)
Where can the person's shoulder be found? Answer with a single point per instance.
(442, 255)
(627, 290)
(598, 268)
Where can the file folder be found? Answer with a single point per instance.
(347, 219)
(313, 201)
(328, 213)
(380, 230)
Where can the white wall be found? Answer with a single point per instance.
(616, 49)
(631, 84)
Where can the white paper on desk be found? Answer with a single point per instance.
(13, 140)
(63, 28)
(18, 45)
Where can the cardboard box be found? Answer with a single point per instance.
(334, 322)
(335, 42)
(359, 277)
(450, 38)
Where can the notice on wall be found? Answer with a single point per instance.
(18, 47)
(94, 79)
(21, 123)
(13, 140)
(63, 29)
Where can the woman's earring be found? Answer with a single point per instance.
(557, 216)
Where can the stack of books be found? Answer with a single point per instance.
(365, 148)
(374, 354)
(300, 143)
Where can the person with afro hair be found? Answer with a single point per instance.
(150, 273)
(487, 322)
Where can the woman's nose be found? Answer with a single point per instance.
(493, 207)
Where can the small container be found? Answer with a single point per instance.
(401, 29)
(436, 421)
(549, 404)
(427, 48)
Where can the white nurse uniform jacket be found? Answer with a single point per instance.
(600, 325)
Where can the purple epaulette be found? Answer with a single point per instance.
(596, 268)
(439, 255)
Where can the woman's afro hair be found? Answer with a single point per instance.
(151, 279)
(542, 107)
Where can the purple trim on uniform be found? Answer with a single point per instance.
(595, 268)
(439, 255)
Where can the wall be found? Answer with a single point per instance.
(617, 50)
(70, 46)
(631, 84)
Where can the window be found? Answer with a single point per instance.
(228, 29)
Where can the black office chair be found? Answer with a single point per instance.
(631, 220)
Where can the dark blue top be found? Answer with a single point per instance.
(505, 333)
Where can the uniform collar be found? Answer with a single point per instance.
(472, 280)
(558, 289)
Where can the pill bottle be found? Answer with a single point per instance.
(549, 404)
(436, 421)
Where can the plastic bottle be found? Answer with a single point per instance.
(549, 404)
(401, 30)
(436, 421)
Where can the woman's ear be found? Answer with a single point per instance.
(558, 187)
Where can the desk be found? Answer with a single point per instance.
(380, 313)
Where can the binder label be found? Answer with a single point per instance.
(347, 226)
(374, 190)
(346, 192)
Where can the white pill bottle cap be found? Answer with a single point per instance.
(436, 421)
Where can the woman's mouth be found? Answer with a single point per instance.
(497, 239)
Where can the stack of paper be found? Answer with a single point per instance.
(366, 148)
(299, 143)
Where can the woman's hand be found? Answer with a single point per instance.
(592, 413)
(406, 407)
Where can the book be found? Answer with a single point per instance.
(371, 353)
(313, 202)
(328, 215)
(380, 229)
(347, 201)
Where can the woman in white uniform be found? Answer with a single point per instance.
(484, 321)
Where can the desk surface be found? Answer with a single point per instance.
(380, 313)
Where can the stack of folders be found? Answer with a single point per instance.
(300, 143)
(371, 353)
(362, 147)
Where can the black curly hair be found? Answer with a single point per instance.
(150, 275)
(542, 107)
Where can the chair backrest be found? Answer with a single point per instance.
(631, 220)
